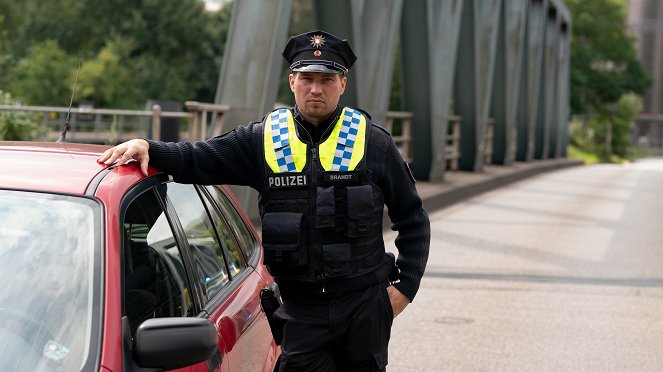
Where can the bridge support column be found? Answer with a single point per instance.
(549, 80)
(444, 17)
(563, 109)
(252, 61)
(473, 87)
(251, 68)
(374, 26)
(416, 92)
(506, 87)
(532, 60)
(341, 18)
(380, 25)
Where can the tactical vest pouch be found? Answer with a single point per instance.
(283, 238)
(360, 210)
(336, 258)
(325, 207)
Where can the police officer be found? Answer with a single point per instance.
(324, 174)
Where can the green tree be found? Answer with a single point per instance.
(607, 132)
(106, 79)
(604, 63)
(16, 125)
(169, 44)
(41, 77)
(614, 124)
(174, 48)
(606, 78)
(5, 54)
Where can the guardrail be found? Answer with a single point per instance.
(513, 148)
(111, 126)
(403, 136)
(198, 128)
(403, 139)
(488, 149)
(204, 120)
(452, 149)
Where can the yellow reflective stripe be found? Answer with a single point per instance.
(328, 148)
(360, 145)
(297, 147)
(270, 153)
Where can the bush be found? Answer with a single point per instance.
(607, 132)
(17, 125)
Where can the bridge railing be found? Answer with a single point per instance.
(488, 149)
(399, 124)
(201, 115)
(111, 126)
(452, 149)
(204, 120)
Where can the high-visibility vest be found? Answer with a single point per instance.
(341, 151)
(321, 219)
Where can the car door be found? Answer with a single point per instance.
(254, 348)
(156, 267)
(230, 286)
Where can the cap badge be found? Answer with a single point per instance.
(317, 41)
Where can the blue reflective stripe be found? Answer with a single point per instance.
(346, 140)
(278, 122)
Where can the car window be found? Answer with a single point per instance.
(245, 238)
(155, 281)
(205, 246)
(48, 245)
(236, 260)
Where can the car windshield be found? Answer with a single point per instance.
(47, 256)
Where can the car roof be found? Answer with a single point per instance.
(49, 166)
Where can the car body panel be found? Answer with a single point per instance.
(242, 316)
(69, 168)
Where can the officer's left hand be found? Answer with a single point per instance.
(397, 299)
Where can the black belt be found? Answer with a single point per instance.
(300, 295)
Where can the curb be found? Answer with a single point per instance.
(455, 195)
(462, 185)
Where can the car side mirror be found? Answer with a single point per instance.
(171, 343)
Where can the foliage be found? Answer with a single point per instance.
(41, 75)
(131, 51)
(606, 79)
(604, 63)
(607, 133)
(586, 157)
(16, 125)
(5, 55)
(105, 79)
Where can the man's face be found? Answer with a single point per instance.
(317, 93)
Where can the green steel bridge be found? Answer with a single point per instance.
(498, 69)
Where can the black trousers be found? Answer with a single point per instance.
(334, 333)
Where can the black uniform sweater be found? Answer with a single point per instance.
(237, 158)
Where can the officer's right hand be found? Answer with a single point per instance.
(122, 153)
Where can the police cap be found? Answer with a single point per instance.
(319, 51)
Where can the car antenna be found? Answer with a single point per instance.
(65, 128)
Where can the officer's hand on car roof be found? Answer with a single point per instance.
(133, 149)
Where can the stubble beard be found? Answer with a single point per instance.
(318, 113)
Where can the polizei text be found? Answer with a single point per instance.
(286, 180)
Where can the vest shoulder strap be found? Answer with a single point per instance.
(284, 152)
(345, 146)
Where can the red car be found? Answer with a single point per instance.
(103, 269)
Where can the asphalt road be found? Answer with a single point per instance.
(560, 272)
